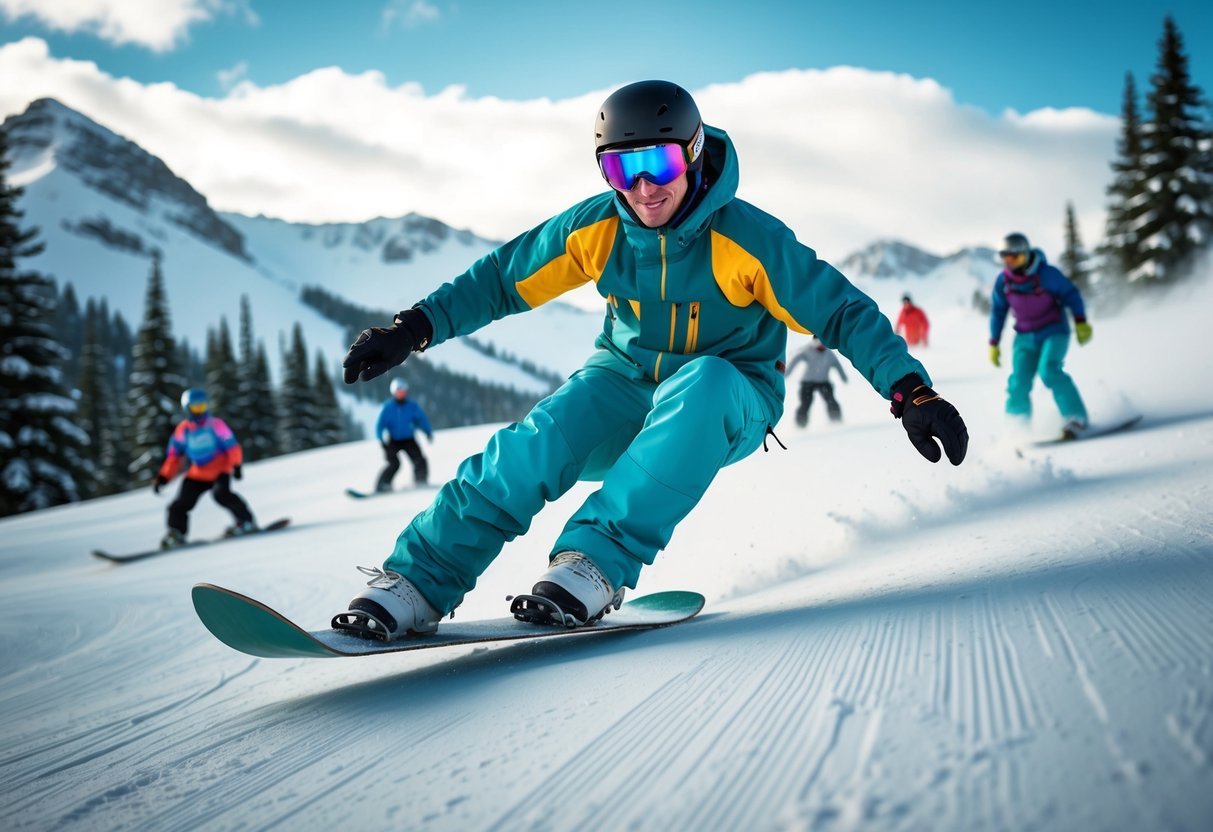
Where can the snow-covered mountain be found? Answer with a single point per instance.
(103, 205)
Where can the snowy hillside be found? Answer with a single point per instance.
(1022, 642)
(103, 205)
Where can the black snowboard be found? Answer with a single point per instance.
(1090, 433)
(193, 544)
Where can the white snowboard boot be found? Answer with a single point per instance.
(388, 609)
(571, 593)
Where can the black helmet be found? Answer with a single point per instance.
(647, 112)
(1015, 243)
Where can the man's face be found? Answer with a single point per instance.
(401, 395)
(656, 204)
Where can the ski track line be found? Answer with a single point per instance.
(204, 797)
(686, 759)
(1137, 623)
(1187, 727)
(1126, 766)
(102, 743)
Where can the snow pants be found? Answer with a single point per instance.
(655, 448)
(826, 389)
(187, 497)
(1031, 357)
(391, 451)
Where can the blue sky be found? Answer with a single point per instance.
(1023, 56)
(852, 121)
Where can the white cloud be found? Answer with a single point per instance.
(156, 24)
(228, 78)
(409, 13)
(844, 156)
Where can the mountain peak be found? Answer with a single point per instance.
(889, 258)
(50, 135)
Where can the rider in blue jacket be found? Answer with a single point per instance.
(398, 422)
(700, 289)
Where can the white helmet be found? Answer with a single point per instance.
(398, 385)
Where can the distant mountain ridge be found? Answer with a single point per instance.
(896, 259)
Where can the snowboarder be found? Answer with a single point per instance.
(818, 361)
(912, 323)
(1039, 294)
(214, 457)
(399, 420)
(686, 378)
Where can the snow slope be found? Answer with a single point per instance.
(1023, 642)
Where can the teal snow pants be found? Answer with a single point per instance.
(655, 447)
(1045, 357)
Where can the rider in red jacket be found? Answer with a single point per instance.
(912, 323)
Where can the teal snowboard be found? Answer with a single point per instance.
(249, 626)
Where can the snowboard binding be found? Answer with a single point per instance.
(536, 609)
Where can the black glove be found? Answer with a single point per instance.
(378, 350)
(238, 472)
(159, 483)
(924, 415)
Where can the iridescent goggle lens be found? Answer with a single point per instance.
(198, 409)
(661, 164)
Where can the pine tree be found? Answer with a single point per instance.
(265, 408)
(43, 456)
(1074, 258)
(252, 414)
(97, 415)
(153, 400)
(296, 403)
(222, 383)
(329, 427)
(1178, 169)
(1123, 251)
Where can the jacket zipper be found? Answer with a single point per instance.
(692, 328)
(657, 364)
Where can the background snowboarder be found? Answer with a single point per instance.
(912, 323)
(687, 377)
(818, 360)
(399, 420)
(214, 457)
(1039, 294)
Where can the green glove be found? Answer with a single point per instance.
(1082, 331)
(995, 355)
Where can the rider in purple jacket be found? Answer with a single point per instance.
(1039, 295)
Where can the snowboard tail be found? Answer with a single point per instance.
(247, 625)
(193, 544)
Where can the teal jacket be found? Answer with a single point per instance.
(728, 281)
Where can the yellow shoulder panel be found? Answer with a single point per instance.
(586, 252)
(742, 278)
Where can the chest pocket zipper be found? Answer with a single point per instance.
(692, 342)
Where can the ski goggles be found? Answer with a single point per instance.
(1013, 258)
(198, 409)
(661, 163)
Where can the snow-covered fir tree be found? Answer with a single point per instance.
(1123, 250)
(296, 403)
(222, 383)
(329, 427)
(253, 413)
(43, 457)
(1074, 260)
(1177, 165)
(98, 414)
(156, 384)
